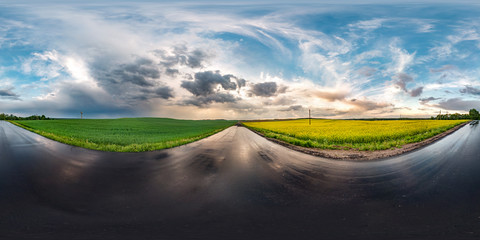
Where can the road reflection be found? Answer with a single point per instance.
(237, 182)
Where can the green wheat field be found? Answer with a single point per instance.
(126, 134)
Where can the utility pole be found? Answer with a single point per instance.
(309, 117)
(81, 115)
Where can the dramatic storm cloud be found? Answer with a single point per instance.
(266, 89)
(206, 82)
(142, 73)
(242, 60)
(206, 88)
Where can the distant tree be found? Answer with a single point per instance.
(455, 116)
(474, 114)
(4, 116)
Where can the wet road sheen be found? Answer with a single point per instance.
(236, 185)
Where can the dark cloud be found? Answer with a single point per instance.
(470, 90)
(172, 72)
(331, 96)
(427, 100)
(140, 80)
(367, 71)
(442, 69)
(401, 79)
(205, 100)
(141, 73)
(188, 76)
(206, 82)
(133, 83)
(8, 94)
(292, 108)
(164, 92)
(195, 59)
(205, 88)
(181, 56)
(416, 92)
(458, 104)
(265, 89)
(367, 105)
(241, 82)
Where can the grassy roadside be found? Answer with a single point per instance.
(352, 134)
(127, 134)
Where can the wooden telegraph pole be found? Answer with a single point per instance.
(309, 117)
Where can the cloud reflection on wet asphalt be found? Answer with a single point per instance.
(236, 185)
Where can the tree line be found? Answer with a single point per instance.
(4, 116)
(472, 114)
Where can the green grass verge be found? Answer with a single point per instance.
(126, 134)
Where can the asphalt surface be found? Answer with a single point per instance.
(236, 185)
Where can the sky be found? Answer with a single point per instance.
(239, 60)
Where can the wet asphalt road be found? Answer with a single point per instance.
(236, 185)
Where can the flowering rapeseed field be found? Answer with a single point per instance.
(352, 134)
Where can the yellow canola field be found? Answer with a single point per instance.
(352, 134)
